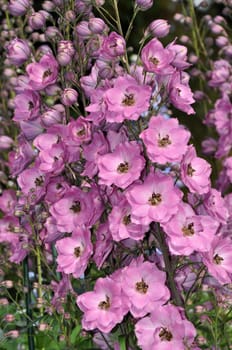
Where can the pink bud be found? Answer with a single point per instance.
(69, 97)
(221, 41)
(5, 142)
(96, 25)
(18, 7)
(159, 28)
(82, 30)
(144, 5)
(37, 20)
(18, 51)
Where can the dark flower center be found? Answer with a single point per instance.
(59, 186)
(77, 252)
(217, 259)
(190, 170)
(142, 287)
(81, 132)
(126, 220)
(104, 305)
(188, 230)
(155, 199)
(128, 100)
(154, 60)
(165, 334)
(76, 207)
(165, 141)
(30, 105)
(39, 181)
(123, 167)
(47, 73)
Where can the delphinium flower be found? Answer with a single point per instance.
(188, 232)
(104, 307)
(156, 199)
(218, 260)
(144, 286)
(27, 105)
(195, 172)
(121, 167)
(165, 140)
(74, 252)
(164, 329)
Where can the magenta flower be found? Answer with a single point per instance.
(27, 105)
(165, 140)
(215, 205)
(127, 99)
(144, 286)
(8, 202)
(79, 131)
(195, 172)
(43, 73)
(156, 58)
(120, 224)
(74, 252)
(104, 307)
(165, 329)
(74, 209)
(188, 232)
(19, 7)
(18, 51)
(121, 167)
(154, 200)
(219, 260)
(32, 182)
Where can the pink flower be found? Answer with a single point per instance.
(18, 51)
(180, 94)
(219, 260)
(215, 205)
(120, 224)
(127, 99)
(121, 167)
(156, 58)
(74, 209)
(154, 200)
(43, 73)
(195, 172)
(165, 140)
(113, 46)
(144, 286)
(74, 252)
(164, 329)
(104, 307)
(8, 201)
(103, 245)
(188, 232)
(79, 131)
(27, 105)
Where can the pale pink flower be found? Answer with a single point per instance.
(195, 172)
(121, 167)
(74, 252)
(165, 140)
(104, 307)
(144, 286)
(156, 199)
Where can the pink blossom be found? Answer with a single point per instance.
(215, 205)
(195, 172)
(165, 140)
(120, 224)
(8, 201)
(144, 286)
(156, 58)
(188, 232)
(18, 51)
(43, 73)
(113, 46)
(79, 131)
(27, 105)
(121, 167)
(103, 245)
(219, 260)
(104, 307)
(127, 99)
(164, 329)
(76, 208)
(156, 199)
(74, 252)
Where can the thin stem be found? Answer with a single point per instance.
(40, 280)
(30, 332)
(168, 266)
(136, 10)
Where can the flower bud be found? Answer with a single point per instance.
(48, 5)
(144, 5)
(65, 52)
(9, 318)
(221, 41)
(37, 20)
(70, 16)
(96, 25)
(18, 51)
(18, 7)
(83, 30)
(5, 142)
(69, 97)
(159, 28)
(51, 117)
(12, 334)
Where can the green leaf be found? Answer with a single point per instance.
(75, 333)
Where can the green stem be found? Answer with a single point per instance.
(40, 280)
(30, 332)
(136, 10)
